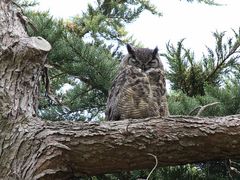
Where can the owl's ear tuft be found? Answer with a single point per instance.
(130, 49)
(155, 51)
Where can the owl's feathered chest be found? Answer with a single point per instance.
(134, 93)
(139, 89)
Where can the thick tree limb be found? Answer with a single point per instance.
(70, 149)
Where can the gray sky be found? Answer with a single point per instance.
(193, 21)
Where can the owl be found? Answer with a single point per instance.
(139, 89)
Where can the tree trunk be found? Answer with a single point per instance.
(21, 62)
(31, 148)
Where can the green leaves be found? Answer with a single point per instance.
(216, 75)
(227, 97)
(26, 3)
(46, 26)
(93, 66)
(185, 74)
(84, 56)
(209, 2)
(217, 65)
(223, 60)
(88, 69)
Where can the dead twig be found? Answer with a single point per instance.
(206, 106)
(156, 164)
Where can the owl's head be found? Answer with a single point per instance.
(142, 58)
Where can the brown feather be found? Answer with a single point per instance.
(138, 91)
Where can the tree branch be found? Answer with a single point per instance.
(77, 148)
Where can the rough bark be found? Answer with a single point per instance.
(21, 61)
(52, 150)
(31, 148)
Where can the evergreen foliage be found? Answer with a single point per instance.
(26, 3)
(85, 56)
(227, 96)
(86, 68)
(191, 76)
(209, 2)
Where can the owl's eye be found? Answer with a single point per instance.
(154, 63)
(132, 61)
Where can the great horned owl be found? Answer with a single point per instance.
(139, 89)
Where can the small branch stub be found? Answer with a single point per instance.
(41, 44)
(37, 43)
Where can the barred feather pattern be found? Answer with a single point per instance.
(139, 89)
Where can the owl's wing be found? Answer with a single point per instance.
(112, 112)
